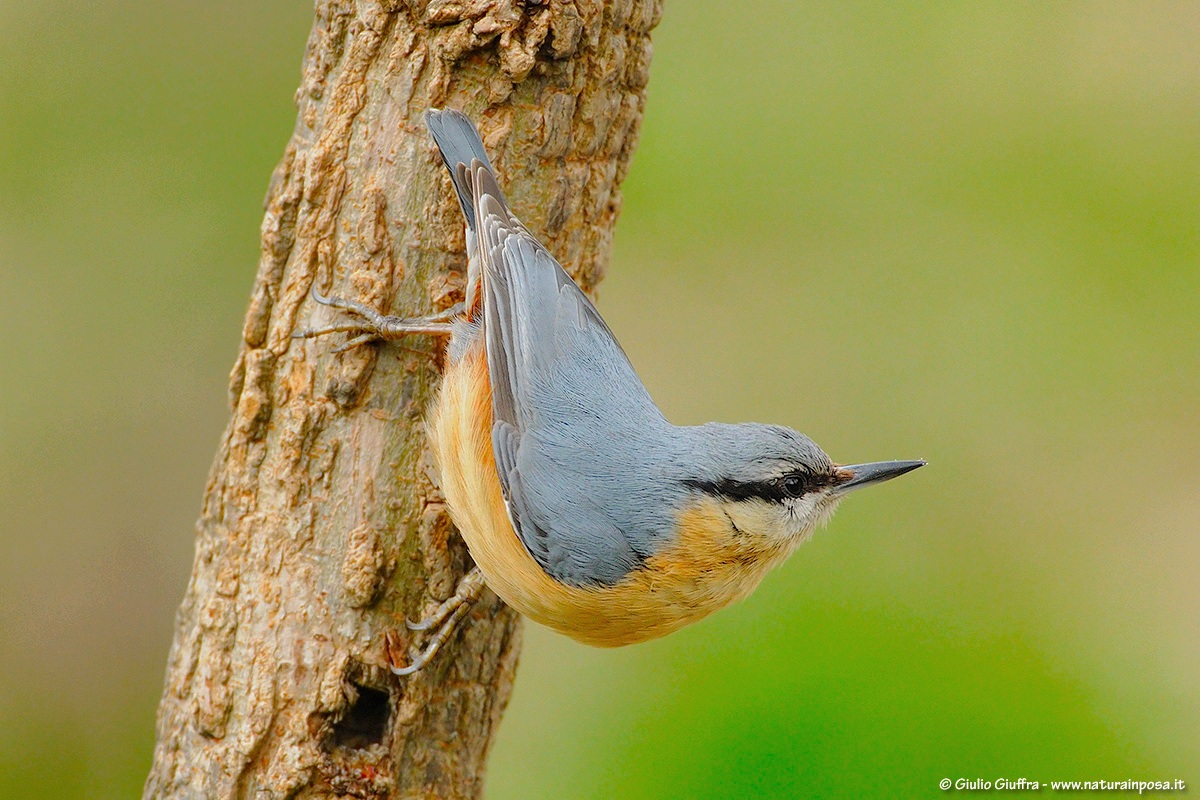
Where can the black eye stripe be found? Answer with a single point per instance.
(775, 490)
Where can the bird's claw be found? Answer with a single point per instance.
(362, 338)
(445, 618)
(416, 660)
(367, 325)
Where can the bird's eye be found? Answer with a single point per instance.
(794, 485)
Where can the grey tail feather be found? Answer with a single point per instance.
(459, 143)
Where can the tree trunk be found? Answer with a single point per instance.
(322, 526)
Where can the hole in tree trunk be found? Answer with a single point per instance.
(365, 722)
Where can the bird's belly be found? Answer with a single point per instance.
(689, 580)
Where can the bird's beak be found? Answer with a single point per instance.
(856, 476)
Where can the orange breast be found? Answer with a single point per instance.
(707, 567)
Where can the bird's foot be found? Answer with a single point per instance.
(445, 619)
(366, 325)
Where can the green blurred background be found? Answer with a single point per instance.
(967, 232)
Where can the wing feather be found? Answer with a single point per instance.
(558, 375)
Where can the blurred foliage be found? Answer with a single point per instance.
(964, 232)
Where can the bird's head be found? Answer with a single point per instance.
(775, 483)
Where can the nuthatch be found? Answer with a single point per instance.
(582, 506)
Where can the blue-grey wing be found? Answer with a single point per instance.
(575, 430)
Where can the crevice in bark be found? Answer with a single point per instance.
(365, 722)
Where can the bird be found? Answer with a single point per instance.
(581, 505)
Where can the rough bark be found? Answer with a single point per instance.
(322, 526)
